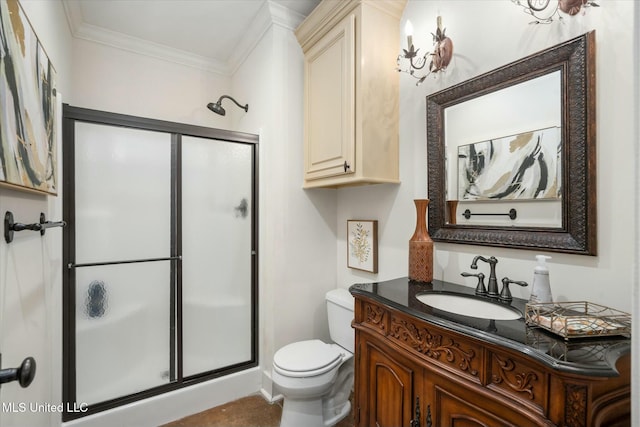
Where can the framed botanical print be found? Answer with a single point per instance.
(362, 245)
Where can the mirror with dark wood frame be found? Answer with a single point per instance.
(564, 214)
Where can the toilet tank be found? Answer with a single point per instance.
(340, 314)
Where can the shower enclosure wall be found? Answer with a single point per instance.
(160, 257)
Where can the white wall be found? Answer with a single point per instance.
(488, 34)
(110, 79)
(303, 233)
(297, 227)
(30, 267)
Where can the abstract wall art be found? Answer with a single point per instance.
(523, 166)
(28, 158)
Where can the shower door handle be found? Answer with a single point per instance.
(24, 374)
(242, 208)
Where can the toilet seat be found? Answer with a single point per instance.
(306, 359)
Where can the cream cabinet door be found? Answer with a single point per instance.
(330, 103)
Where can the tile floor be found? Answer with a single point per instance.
(250, 411)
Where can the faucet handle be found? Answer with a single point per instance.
(480, 289)
(505, 295)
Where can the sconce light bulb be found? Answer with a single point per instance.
(408, 29)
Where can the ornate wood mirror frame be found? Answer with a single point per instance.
(575, 59)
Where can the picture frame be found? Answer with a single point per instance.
(362, 245)
(28, 128)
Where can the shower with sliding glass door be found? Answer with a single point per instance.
(160, 257)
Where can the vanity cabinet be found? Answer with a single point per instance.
(351, 92)
(391, 382)
(456, 379)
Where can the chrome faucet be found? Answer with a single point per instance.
(492, 291)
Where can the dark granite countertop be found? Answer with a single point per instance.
(587, 356)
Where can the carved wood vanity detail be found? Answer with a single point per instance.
(416, 367)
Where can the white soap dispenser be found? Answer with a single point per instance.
(541, 289)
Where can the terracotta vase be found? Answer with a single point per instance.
(421, 246)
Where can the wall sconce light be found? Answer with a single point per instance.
(545, 12)
(440, 56)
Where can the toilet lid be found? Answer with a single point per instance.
(306, 356)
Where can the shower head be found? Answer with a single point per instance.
(217, 107)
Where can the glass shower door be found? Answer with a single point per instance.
(123, 266)
(217, 254)
(160, 278)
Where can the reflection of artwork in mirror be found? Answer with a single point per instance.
(522, 166)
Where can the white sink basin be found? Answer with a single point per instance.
(469, 306)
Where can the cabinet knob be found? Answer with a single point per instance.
(347, 166)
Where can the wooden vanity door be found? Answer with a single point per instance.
(470, 406)
(390, 381)
(453, 410)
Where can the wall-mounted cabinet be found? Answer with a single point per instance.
(351, 92)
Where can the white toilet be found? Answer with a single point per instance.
(315, 377)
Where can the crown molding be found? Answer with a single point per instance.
(269, 14)
(151, 49)
(252, 36)
(329, 12)
(73, 14)
(283, 16)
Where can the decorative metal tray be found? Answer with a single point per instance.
(589, 351)
(578, 319)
